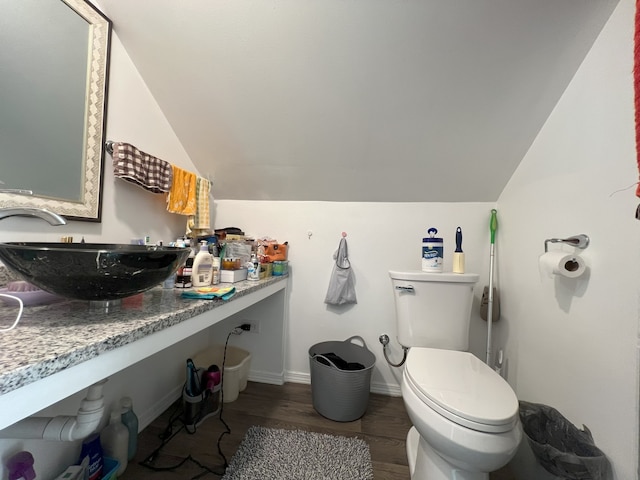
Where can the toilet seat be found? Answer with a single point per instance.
(462, 388)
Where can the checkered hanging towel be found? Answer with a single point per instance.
(140, 168)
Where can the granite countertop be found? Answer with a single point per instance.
(51, 338)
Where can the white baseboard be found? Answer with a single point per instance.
(381, 388)
(267, 377)
(145, 418)
(297, 377)
(386, 389)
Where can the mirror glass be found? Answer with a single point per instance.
(53, 82)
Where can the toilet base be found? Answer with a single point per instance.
(426, 464)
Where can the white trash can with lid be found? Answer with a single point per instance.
(236, 368)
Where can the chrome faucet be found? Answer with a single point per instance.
(44, 214)
(52, 218)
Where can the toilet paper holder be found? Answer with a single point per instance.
(578, 241)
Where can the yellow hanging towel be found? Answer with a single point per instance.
(201, 221)
(182, 196)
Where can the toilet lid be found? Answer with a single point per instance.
(462, 388)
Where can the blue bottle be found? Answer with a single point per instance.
(130, 420)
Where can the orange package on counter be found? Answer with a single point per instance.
(275, 251)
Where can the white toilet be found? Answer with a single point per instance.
(464, 415)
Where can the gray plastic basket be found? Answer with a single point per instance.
(341, 395)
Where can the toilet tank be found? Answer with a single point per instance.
(433, 309)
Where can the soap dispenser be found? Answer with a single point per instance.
(202, 267)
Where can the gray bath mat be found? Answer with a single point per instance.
(267, 453)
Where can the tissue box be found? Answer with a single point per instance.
(232, 276)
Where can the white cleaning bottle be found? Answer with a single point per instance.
(202, 267)
(115, 440)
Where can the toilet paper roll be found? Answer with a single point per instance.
(560, 263)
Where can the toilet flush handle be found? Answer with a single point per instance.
(408, 288)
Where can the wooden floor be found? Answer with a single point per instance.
(384, 427)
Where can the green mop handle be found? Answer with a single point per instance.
(493, 225)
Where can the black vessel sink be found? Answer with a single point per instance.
(92, 271)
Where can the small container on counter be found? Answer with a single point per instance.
(215, 273)
(266, 270)
(183, 277)
(280, 267)
(432, 252)
(253, 272)
(231, 264)
(170, 282)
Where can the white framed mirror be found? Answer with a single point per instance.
(54, 64)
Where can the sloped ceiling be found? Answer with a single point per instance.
(357, 100)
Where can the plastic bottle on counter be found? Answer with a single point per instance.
(202, 267)
(130, 420)
(253, 272)
(115, 440)
(184, 276)
(215, 272)
(170, 282)
(432, 252)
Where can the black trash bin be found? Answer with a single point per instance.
(337, 393)
(559, 446)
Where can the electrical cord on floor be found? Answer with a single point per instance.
(235, 331)
(168, 434)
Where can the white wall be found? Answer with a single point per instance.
(381, 237)
(572, 344)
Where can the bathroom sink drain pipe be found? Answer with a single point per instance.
(63, 428)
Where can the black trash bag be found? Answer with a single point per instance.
(560, 447)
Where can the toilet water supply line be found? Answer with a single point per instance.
(384, 340)
(493, 226)
(63, 428)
